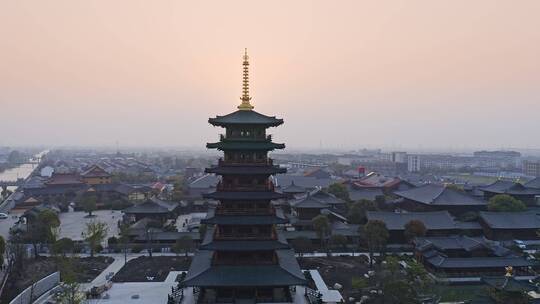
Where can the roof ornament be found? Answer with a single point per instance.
(245, 105)
(509, 271)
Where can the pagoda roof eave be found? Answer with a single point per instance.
(245, 146)
(285, 273)
(213, 218)
(242, 117)
(245, 170)
(244, 195)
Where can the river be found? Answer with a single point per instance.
(22, 171)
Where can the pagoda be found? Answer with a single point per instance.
(243, 257)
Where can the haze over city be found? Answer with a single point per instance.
(347, 74)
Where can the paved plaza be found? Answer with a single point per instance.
(74, 223)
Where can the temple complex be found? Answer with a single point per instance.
(243, 257)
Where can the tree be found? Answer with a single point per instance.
(70, 293)
(40, 228)
(339, 190)
(339, 241)
(417, 274)
(63, 246)
(302, 245)
(177, 193)
(94, 234)
(124, 238)
(413, 229)
(356, 214)
(357, 211)
(183, 244)
(358, 283)
(398, 291)
(505, 203)
(455, 187)
(2, 250)
(376, 236)
(89, 204)
(202, 231)
(401, 285)
(321, 224)
(15, 157)
(380, 200)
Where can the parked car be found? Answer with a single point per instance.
(3, 216)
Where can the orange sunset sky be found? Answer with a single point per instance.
(343, 74)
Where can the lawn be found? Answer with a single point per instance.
(158, 267)
(455, 293)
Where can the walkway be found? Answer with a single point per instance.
(328, 295)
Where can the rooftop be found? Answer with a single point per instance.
(432, 194)
(509, 187)
(203, 273)
(511, 220)
(152, 206)
(438, 220)
(241, 117)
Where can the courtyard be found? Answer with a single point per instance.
(73, 224)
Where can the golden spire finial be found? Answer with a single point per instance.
(245, 105)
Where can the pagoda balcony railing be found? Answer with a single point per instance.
(240, 211)
(243, 236)
(223, 137)
(267, 187)
(244, 261)
(261, 162)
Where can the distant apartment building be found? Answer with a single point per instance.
(531, 167)
(399, 157)
(413, 163)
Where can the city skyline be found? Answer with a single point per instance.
(450, 75)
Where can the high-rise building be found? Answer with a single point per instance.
(243, 257)
(531, 167)
(413, 163)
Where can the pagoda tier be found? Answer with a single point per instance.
(245, 146)
(241, 118)
(244, 169)
(244, 195)
(243, 257)
(276, 241)
(203, 272)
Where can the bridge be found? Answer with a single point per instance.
(15, 183)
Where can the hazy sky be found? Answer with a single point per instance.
(343, 74)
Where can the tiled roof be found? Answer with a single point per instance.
(309, 202)
(440, 261)
(508, 187)
(244, 195)
(95, 171)
(153, 205)
(248, 146)
(438, 220)
(243, 219)
(245, 170)
(205, 182)
(245, 117)
(310, 182)
(534, 183)
(511, 220)
(432, 194)
(285, 273)
(64, 179)
(450, 242)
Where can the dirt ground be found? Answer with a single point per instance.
(86, 269)
(158, 267)
(337, 270)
